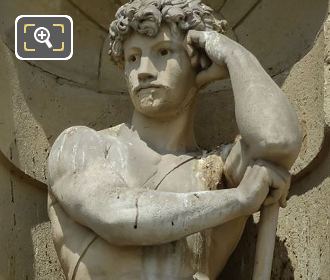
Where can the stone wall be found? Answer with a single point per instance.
(39, 99)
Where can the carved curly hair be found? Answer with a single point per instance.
(146, 17)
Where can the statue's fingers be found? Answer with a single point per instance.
(268, 201)
(281, 172)
(283, 201)
(279, 177)
(276, 194)
(273, 197)
(205, 61)
(195, 38)
(190, 50)
(195, 60)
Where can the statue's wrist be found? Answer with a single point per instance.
(235, 53)
(246, 207)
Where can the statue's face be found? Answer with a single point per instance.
(160, 77)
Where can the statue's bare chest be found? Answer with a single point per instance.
(147, 169)
(142, 167)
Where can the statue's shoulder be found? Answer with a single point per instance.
(75, 148)
(111, 132)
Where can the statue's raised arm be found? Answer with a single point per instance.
(267, 123)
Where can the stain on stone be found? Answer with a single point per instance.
(12, 191)
(137, 213)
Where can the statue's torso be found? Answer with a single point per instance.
(87, 256)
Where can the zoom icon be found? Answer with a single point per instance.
(46, 37)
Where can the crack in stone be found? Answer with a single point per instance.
(100, 60)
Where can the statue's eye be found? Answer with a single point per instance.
(164, 52)
(132, 58)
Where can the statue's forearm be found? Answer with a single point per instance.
(266, 120)
(129, 216)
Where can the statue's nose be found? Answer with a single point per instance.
(147, 70)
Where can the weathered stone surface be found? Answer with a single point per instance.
(303, 85)
(215, 4)
(213, 110)
(88, 39)
(27, 251)
(235, 10)
(99, 11)
(46, 265)
(35, 113)
(279, 33)
(327, 73)
(304, 228)
(111, 78)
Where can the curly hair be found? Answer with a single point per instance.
(146, 17)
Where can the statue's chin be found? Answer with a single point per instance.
(155, 110)
(158, 103)
(152, 104)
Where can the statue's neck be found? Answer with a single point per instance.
(173, 135)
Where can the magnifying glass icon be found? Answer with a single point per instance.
(41, 35)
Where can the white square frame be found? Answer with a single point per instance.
(47, 58)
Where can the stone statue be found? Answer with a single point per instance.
(141, 200)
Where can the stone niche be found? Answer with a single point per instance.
(39, 99)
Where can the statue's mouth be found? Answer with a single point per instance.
(147, 87)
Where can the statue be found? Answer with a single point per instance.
(141, 200)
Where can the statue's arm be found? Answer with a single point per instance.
(267, 122)
(98, 198)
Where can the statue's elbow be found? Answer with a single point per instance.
(282, 150)
(288, 151)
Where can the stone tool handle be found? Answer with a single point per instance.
(265, 242)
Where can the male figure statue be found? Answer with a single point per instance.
(141, 201)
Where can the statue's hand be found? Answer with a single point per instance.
(209, 51)
(263, 183)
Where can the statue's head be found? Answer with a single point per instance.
(147, 40)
